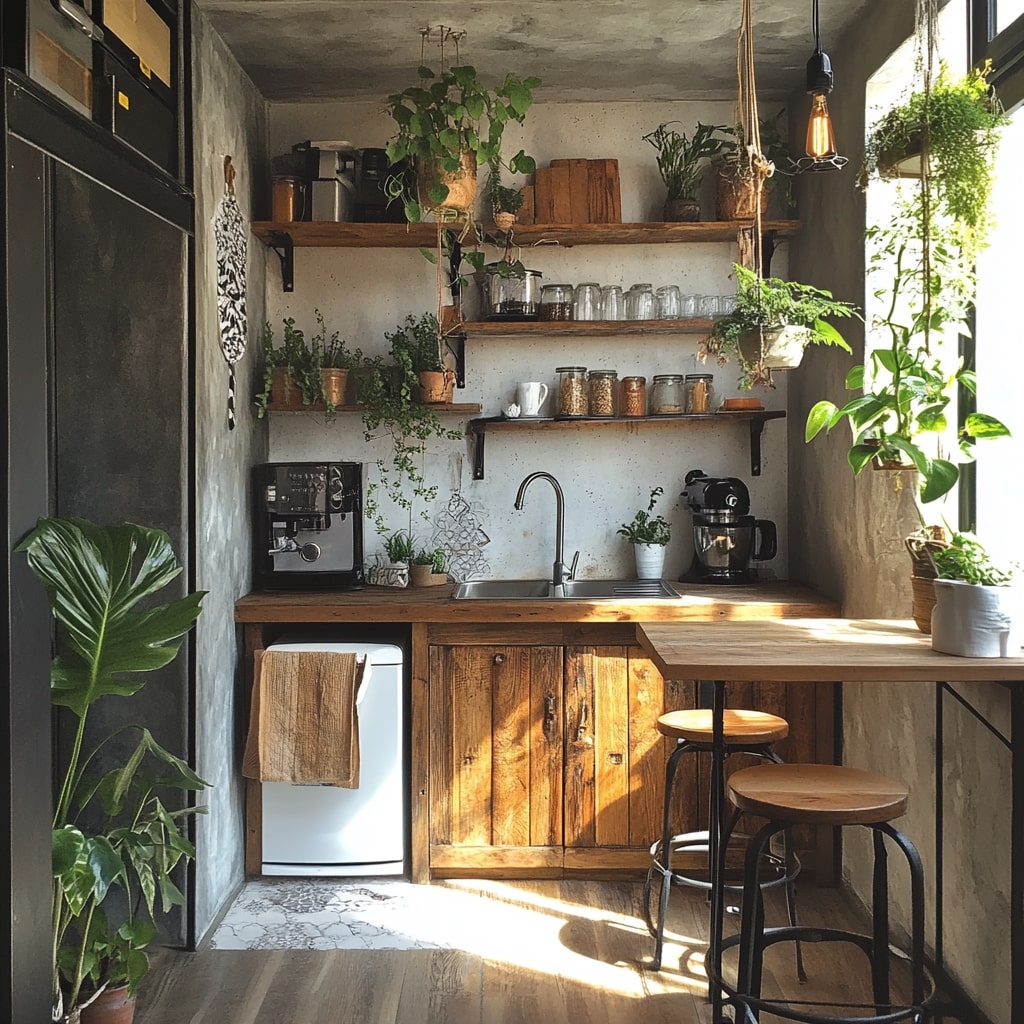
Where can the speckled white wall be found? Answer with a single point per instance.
(606, 472)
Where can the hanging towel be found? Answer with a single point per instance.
(303, 724)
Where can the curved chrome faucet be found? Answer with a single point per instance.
(560, 573)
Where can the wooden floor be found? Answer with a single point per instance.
(579, 961)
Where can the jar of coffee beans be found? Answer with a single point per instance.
(572, 391)
(601, 392)
(556, 302)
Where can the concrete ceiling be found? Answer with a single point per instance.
(316, 50)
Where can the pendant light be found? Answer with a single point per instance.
(821, 141)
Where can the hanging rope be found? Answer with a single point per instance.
(926, 34)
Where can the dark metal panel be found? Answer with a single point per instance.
(26, 640)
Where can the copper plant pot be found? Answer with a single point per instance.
(284, 387)
(436, 386)
(335, 384)
(734, 193)
(461, 184)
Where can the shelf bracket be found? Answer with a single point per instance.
(756, 429)
(281, 243)
(478, 428)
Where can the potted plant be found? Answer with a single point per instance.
(649, 534)
(113, 833)
(734, 171)
(681, 165)
(504, 202)
(448, 125)
(429, 567)
(771, 324)
(421, 341)
(336, 363)
(281, 367)
(977, 613)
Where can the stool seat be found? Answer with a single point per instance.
(817, 794)
(740, 728)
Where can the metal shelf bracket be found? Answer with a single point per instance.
(281, 243)
(478, 428)
(756, 429)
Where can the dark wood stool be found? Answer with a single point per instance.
(820, 794)
(745, 732)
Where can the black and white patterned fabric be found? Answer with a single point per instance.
(231, 236)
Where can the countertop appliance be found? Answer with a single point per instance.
(308, 525)
(325, 830)
(725, 537)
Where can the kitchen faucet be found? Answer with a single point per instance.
(559, 572)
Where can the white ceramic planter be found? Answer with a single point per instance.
(973, 621)
(650, 560)
(783, 348)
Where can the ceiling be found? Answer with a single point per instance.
(611, 50)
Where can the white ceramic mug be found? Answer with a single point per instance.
(530, 397)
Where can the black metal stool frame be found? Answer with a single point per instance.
(791, 865)
(754, 937)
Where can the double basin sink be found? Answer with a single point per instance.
(573, 590)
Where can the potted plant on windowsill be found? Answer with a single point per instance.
(113, 830)
(681, 160)
(649, 534)
(772, 323)
(449, 125)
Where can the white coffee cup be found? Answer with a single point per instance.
(530, 396)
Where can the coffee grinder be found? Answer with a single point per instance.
(725, 537)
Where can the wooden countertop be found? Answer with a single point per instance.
(813, 650)
(435, 604)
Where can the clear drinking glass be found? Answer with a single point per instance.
(640, 303)
(726, 304)
(588, 301)
(669, 302)
(707, 306)
(688, 305)
(612, 303)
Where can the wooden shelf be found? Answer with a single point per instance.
(755, 419)
(577, 328)
(346, 234)
(462, 407)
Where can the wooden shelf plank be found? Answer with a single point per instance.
(346, 234)
(577, 328)
(461, 407)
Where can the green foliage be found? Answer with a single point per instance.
(420, 339)
(501, 198)
(774, 147)
(769, 303)
(957, 121)
(681, 157)
(435, 558)
(400, 546)
(95, 577)
(646, 528)
(965, 558)
(448, 114)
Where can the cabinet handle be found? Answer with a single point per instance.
(581, 729)
(499, 659)
(550, 715)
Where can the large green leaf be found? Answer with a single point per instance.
(939, 480)
(94, 577)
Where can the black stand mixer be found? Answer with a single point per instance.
(725, 538)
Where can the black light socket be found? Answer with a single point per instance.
(819, 73)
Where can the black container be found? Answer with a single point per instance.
(371, 201)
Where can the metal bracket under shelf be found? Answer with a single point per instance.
(281, 243)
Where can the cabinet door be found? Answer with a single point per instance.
(615, 756)
(496, 759)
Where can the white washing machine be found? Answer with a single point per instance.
(326, 830)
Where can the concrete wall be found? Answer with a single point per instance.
(606, 473)
(230, 118)
(853, 550)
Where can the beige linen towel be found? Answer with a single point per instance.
(303, 724)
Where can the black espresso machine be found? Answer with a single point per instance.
(725, 537)
(308, 525)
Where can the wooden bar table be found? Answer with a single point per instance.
(830, 651)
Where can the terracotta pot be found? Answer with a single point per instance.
(780, 349)
(424, 576)
(461, 184)
(436, 386)
(335, 384)
(504, 220)
(284, 387)
(734, 193)
(111, 1006)
(681, 210)
(922, 589)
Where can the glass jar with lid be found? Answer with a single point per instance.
(556, 302)
(602, 385)
(633, 396)
(667, 395)
(572, 391)
(699, 393)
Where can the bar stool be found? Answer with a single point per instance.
(817, 794)
(745, 732)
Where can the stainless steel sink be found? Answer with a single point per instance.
(574, 590)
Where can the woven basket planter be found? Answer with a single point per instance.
(461, 184)
(922, 589)
(734, 193)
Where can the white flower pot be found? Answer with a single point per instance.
(778, 349)
(974, 621)
(650, 560)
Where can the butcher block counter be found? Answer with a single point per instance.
(533, 748)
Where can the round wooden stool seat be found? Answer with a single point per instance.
(741, 728)
(817, 794)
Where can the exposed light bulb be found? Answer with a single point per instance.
(821, 141)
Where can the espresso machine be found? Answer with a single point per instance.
(308, 525)
(726, 538)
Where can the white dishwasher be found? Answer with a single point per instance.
(326, 830)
